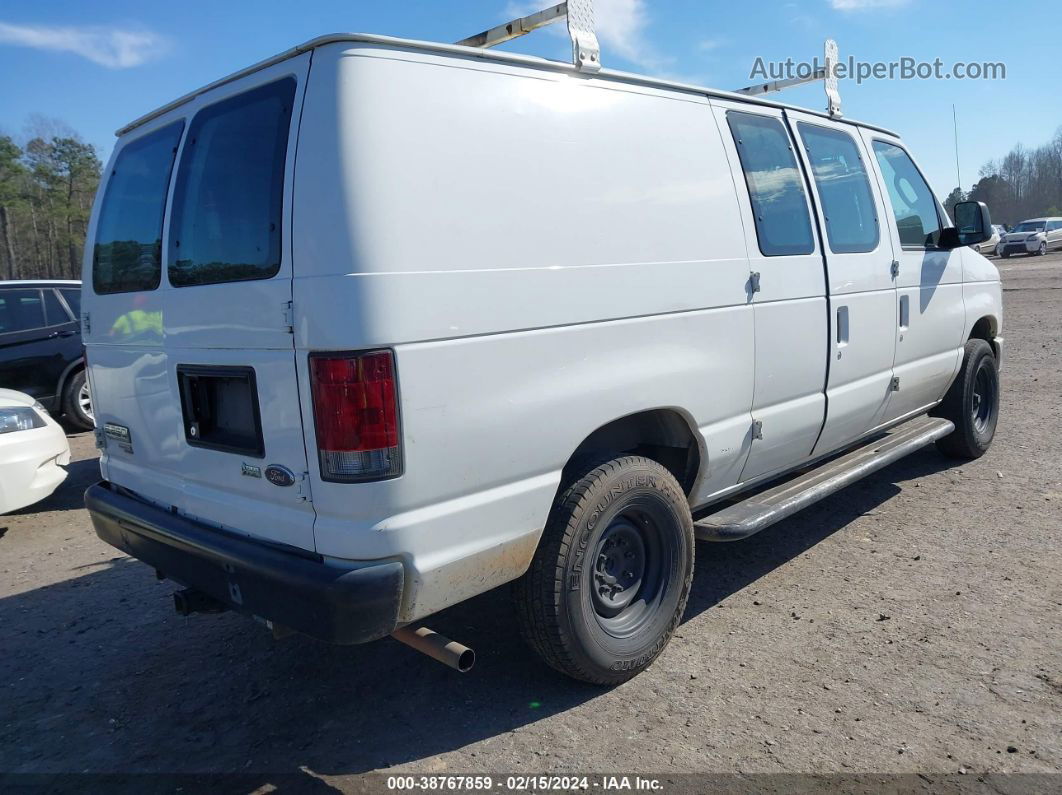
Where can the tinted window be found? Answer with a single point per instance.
(21, 310)
(54, 310)
(844, 191)
(73, 300)
(129, 233)
(776, 189)
(912, 200)
(229, 195)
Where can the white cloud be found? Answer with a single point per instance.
(114, 48)
(865, 5)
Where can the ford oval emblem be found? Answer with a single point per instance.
(279, 476)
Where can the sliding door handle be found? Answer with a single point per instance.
(842, 326)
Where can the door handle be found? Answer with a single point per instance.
(842, 326)
(905, 311)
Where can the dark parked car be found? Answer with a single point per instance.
(40, 346)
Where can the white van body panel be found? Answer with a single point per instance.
(544, 253)
(132, 367)
(929, 315)
(621, 297)
(790, 367)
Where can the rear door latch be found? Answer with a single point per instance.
(302, 488)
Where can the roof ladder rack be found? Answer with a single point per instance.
(586, 52)
(827, 73)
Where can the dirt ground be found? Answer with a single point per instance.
(909, 624)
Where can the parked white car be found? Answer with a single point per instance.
(507, 320)
(33, 451)
(1035, 236)
(989, 246)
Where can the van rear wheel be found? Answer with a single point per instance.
(609, 581)
(972, 403)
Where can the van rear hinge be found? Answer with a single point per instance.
(754, 281)
(101, 439)
(86, 324)
(757, 429)
(302, 488)
(895, 384)
(289, 317)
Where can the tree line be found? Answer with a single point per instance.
(47, 186)
(1026, 183)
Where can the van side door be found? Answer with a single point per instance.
(862, 299)
(786, 287)
(930, 313)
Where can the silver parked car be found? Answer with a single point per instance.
(1035, 236)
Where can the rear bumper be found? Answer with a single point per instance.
(353, 603)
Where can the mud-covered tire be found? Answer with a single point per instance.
(972, 404)
(610, 579)
(73, 399)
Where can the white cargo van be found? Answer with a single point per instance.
(377, 325)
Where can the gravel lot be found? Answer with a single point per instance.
(908, 624)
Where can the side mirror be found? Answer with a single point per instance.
(973, 225)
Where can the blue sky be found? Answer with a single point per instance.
(97, 65)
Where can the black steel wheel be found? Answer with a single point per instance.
(612, 573)
(972, 403)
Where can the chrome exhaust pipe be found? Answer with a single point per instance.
(439, 647)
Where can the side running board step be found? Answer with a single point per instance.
(767, 507)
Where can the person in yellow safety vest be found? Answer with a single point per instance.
(138, 323)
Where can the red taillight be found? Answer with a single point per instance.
(355, 410)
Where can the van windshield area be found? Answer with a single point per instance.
(229, 196)
(1029, 226)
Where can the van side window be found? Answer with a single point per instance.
(912, 200)
(21, 310)
(841, 179)
(228, 200)
(127, 255)
(776, 189)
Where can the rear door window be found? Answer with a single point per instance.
(912, 201)
(844, 190)
(229, 195)
(127, 255)
(73, 300)
(776, 188)
(54, 310)
(21, 310)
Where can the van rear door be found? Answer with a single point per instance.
(188, 319)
